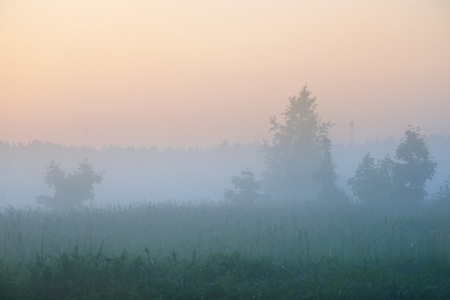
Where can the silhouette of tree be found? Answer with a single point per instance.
(402, 179)
(72, 189)
(373, 182)
(326, 174)
(414, 168)
(293, 157)
(246, 189)
(444, 191)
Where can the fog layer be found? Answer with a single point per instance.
(135, 175)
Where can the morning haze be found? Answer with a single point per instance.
(197, 73)
(224, 149)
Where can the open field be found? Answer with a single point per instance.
(272, 250)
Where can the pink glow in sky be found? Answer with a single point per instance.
(196, 73)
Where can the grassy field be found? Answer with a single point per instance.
(274, 250)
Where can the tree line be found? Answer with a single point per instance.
(298, 164)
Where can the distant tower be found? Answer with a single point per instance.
(352, 133)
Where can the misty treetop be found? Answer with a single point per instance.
(293, 158)
(373, 181)
(326, 174)
(414, 167)
(71, 189)
(246, 189)
(402, 179)
(297, 163)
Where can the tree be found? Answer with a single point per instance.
(72, 189)
(326, 174)
(293, 157)
(384, 180)
(444, 191)
(414, 167)
(373, 182)
(246, 189)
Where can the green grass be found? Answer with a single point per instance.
(288, 250)
(95, 276)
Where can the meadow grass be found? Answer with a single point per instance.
(284, 250)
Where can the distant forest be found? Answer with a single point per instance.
(193, 174)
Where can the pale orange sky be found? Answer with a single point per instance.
(196, 73)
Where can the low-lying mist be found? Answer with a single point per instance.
(188, 175)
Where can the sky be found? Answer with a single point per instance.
(196, 73)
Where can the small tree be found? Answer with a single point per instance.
(293, 157)
(403, 179)
(326, 174)
(362, 184)
(384, 182)
(444, 191)
(414, 167)
(373, 182)
(246, 189)
(72, 189)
